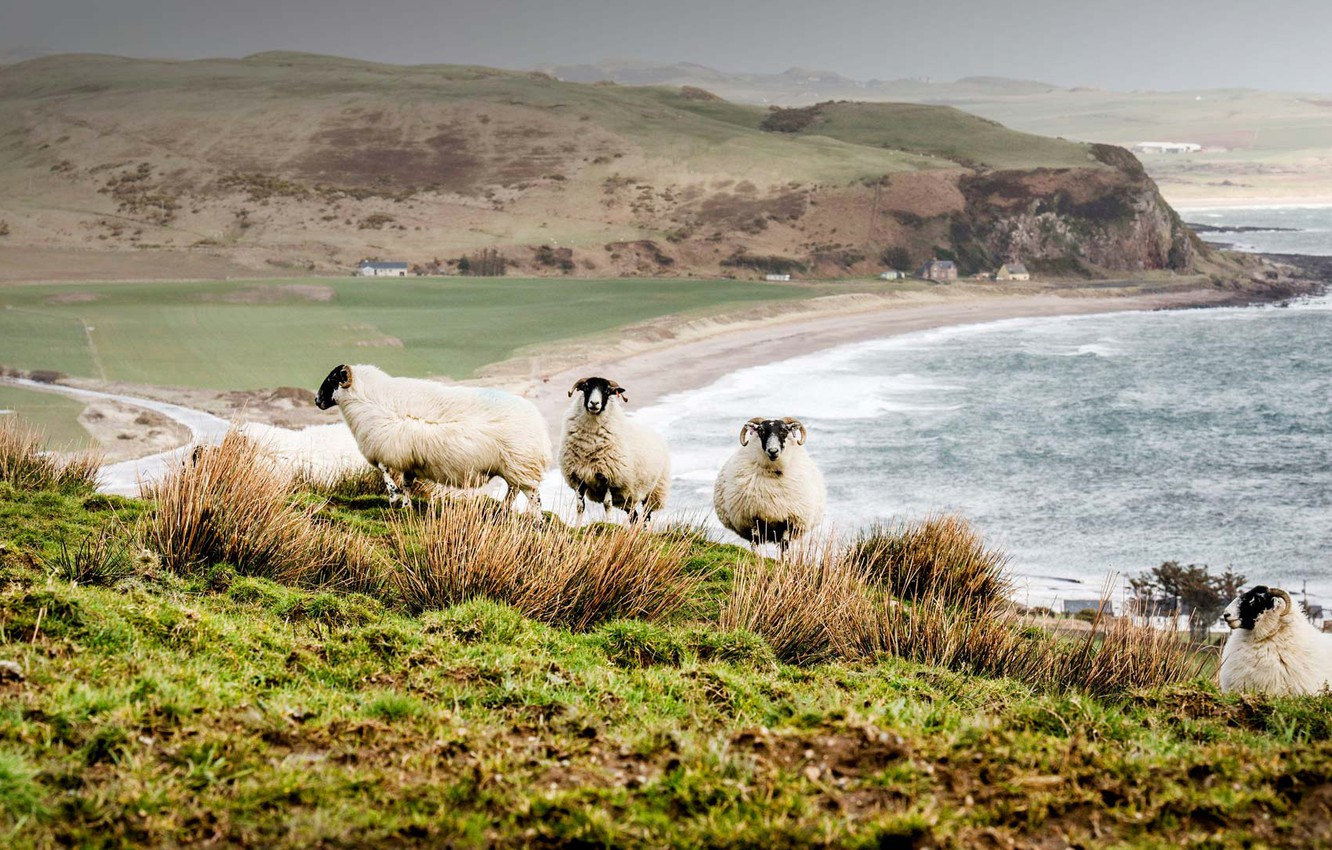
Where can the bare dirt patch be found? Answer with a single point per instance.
(276, 294)
(125, 431)
(73, 298)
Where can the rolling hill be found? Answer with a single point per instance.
(309, 163)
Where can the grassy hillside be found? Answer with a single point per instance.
(462, 680)
(298, 162)
(1263, 145)
(253, 334)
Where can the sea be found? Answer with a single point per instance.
(1087, 448)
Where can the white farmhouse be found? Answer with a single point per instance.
(373, 268)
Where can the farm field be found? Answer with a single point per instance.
(255, 334)
(56, 416)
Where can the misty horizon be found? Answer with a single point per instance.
(1136, 46)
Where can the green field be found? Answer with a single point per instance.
(55, 415)
(254, 334)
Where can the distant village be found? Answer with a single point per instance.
(934, 270)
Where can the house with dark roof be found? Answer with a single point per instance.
(938, 270)
(1012, 271)
(374, 268)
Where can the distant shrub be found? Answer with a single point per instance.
(26, 465)
(896, 257)
(767, 264)
(488, 262)
(550, 257)
(782, 120)
(4, 227)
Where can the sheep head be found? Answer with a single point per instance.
(1261, 610)
(597, 393)
(772, 434)
(339, 378)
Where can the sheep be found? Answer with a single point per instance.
(454, 436)
(770, 491)
(604, 454)
(321, 454)
(1272, 648)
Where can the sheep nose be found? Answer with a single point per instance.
(772, 454)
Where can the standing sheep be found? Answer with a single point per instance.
(770, 491)
(455, 436)
(1272, 647)
(605, 455)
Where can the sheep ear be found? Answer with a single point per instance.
(582, 382)
(348, 380)
(618, 390)
(797, 426)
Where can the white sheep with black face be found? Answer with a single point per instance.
(454, 436)
(320, 454)
(608, 457)
(770, 491)
(1272, 647)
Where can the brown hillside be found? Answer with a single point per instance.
(311, 163)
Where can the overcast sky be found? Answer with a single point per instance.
(1122, 44)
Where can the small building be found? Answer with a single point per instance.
(1012, 271)
(892, 274)
(374, 268)
(938, 270)
(777, 277)
(1166, 147)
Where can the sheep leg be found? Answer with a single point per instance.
(533, 499)
(582, 502)
(408, 484)
(394, 492)
(510, 493)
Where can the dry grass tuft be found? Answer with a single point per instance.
(1121, 655)
(27, 466)
(952, 611)
(465, 548)
(348, 486)
(941, 558)
(226, 505)
(810, 606)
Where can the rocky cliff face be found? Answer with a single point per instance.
(1113, 219)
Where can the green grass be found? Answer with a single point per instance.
(186, 334)
(162, 710)
(56, 416)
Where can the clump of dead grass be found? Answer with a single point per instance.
(940, 557)
(25, 465)
(466, 548)
(932, 593)
(230, 505)
(811, 606)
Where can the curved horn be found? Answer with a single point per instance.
(578, 385)
(745, 429)
(1278, 592)
(796, 424)
(347, 383)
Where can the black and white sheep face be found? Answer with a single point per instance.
(597, 393)
(1244, 611)
(772, 434)
(339, 378)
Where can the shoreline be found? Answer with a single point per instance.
(654, 369)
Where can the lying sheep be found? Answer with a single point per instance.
(605, 455)
(454, 436)
(770, 491)
(1272, 647)
(321, 454)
